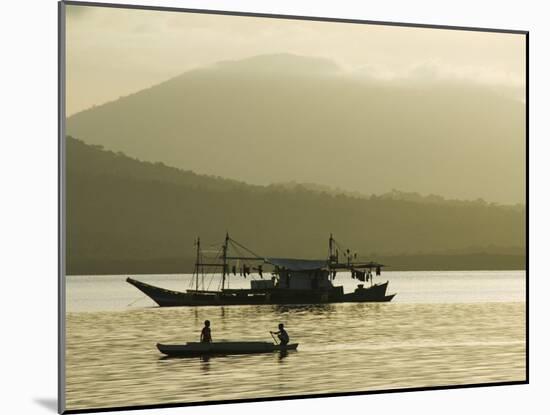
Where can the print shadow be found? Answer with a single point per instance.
(48, 403)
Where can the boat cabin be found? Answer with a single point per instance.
(300, 274)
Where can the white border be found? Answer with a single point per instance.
(29, 206)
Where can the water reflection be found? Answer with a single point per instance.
(213, 356)
(315, 308)
(112, 359)
(205, 364)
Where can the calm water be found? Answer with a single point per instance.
(442, 328)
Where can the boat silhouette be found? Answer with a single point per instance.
(292, 281)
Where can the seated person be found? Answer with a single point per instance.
(282, 334)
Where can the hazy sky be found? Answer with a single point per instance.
(114, 52)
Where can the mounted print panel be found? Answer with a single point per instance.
(260, 207)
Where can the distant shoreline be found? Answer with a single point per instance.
(465, 262)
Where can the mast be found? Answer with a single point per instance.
(330, 248)
(197, 261)
(332, 257)
(224, 258)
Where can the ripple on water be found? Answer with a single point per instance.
(112, 359)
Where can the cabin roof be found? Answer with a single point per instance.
(293, 264)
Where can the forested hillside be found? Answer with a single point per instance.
(130, 216)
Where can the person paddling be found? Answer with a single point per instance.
(206, 334)
(282, 334)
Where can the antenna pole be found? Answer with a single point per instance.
(224, 257)
(332, 260)
(330, 249)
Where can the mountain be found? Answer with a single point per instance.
(129, 216)
(283, 118)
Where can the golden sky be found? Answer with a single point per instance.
(114, 52)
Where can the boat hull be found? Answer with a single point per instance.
(222, 348)
(169, 298)
(373, 294)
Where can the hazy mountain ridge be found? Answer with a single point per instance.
(277, 64)
(100, 161)
(394, 194)
(125, 214)
(257, 122)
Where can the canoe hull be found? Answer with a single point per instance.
(169, 298)
(221, 348)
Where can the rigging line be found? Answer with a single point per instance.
(195, 268)
(218, 257)
(190, 285)
(339, 246)
(210, 282)
(246, 249)
(213, 274)
(215, 245)
(135, 301)
(341, 249)
(220, 284)
(237, 250)
(194, 275)
(202, 260)
(203, 273)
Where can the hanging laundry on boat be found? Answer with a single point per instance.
(260, 271)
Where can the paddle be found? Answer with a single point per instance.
(274, 339)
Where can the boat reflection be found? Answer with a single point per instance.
(315, 308)
(282, 354)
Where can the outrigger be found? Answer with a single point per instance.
(293, 281)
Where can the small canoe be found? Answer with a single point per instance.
(221, 348)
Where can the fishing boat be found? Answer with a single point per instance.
(273, 280)
(222, 348)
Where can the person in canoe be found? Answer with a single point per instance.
(282, 334)
(206, 334)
